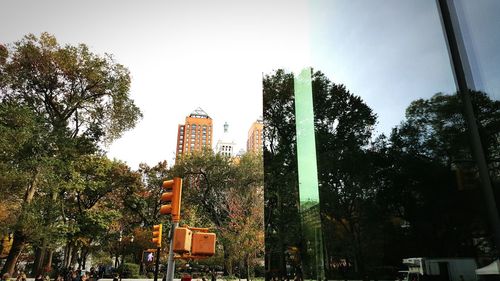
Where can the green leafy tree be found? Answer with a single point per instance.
(431, 147)
(282, 221)
(93, 201)
(142, 209)
(207, 178)
(346, 172)
(80, 100)
(245, 232)
(218, 191)
(417, 188)
(143, 203)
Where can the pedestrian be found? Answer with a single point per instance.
(102, 269)
(186, 277)
(69, 274)
(74, 276)
(92, 274)
(6, 277)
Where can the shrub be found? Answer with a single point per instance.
(129, 270)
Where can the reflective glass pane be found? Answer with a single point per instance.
(386, 177)
(479, 25)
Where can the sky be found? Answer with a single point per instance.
(212, 54)
(181, 54)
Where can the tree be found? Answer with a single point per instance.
(25, 155)
(21, 135)
(347, 185)
(375, 191)
(207, 177)
(78, 92)
(93, 201)
(245, 232)
(282, 221)
(143, 203)
(220, 191)
(81, 99)
(432, 150)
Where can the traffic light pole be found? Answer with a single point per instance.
(171, 261)
(157, 263)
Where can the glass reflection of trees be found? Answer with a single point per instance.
(383, 198)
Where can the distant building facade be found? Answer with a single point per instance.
(255, 135)
(195, 134)
(226, 145)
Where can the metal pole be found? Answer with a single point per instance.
(171, 261)
(157, 263)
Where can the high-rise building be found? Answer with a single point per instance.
(195, 134)
(254, 141)
(226, 145)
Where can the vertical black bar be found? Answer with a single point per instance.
(459, 60)
(157, 263)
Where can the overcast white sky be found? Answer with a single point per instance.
(211, 54)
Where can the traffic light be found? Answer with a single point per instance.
(149, 256)
(182, 240)
(194, 242)
(157, 231)
(172, 198)
(203, 244)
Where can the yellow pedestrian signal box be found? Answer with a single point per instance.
(157, 232)
(172, 199)
(182, 240)
(203, 244)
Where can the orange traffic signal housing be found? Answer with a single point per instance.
(157, 233)
(203, 244)
(172, 198)
(182, 240)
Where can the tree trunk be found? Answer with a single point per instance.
(79, 258)
(17, 247)
(247, 266)
(40, 258)
(69, 254)
(65, 256)
(281, 234)
(84, 256)
(30, 191)
(239, 271)
(35, 269)
(228, 267)
(74, 256)
(48, 263)
(20, 237)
